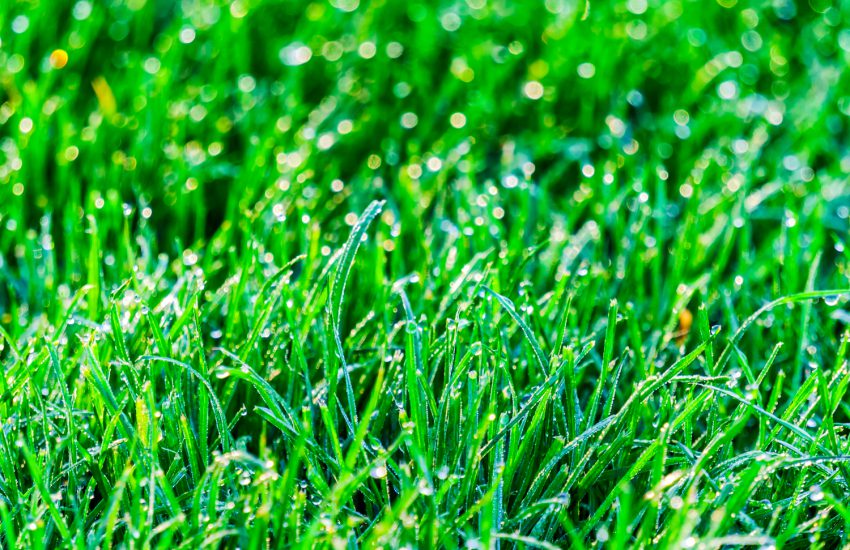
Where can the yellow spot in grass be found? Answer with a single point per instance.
(58, 58)
(686, 319)
(104, 94)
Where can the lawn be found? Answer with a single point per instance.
(452, 274)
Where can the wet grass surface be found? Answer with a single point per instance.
(461, 274)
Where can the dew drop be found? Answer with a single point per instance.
(379, 471)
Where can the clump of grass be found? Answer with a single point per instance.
(360, 274)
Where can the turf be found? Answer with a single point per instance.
(478, 274)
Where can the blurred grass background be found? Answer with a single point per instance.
(195, 119)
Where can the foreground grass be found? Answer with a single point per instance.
(382, 274)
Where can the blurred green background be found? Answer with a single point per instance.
(208, 125)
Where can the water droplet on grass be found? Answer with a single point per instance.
(425, 488)
(379, 471)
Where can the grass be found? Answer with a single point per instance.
(400, 274)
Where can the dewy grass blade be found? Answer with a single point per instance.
(218, 413)
(508, 306)
(590, 413)
(793, 298)
(349, 251)
(340, 279)
(37, 473)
